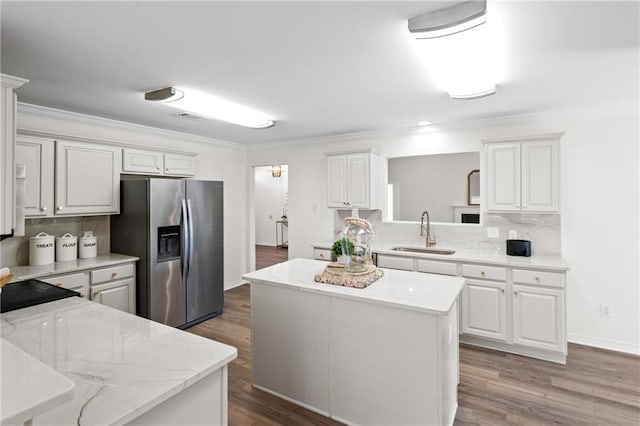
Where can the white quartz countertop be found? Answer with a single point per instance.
(404, 289)
(29, 387)
(122, 365)
(21, 273)
(547, 262)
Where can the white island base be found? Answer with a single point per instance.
(387, 354)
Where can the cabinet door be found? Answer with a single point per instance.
(37, 155)
(539, 162)
(87, 178)
(139, 161)
(538, 317)
(337, 181)
(359, 178)
(7, 157)
(484, 309)
(179, 165)
(117, 295)
(503, 177)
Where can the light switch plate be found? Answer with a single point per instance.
(513, 235)
(493, 232)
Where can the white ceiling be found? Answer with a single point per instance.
(318, 68)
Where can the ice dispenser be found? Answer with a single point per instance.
(168, 243)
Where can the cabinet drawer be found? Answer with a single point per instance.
(393, 262)
(70, 281)
(110, 274)
(552, 279)
(322, 254)
(435, 267)
(484, 272)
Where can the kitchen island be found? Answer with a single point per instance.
(385, 354)
(124, 369)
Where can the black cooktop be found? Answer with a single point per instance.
(31, 292)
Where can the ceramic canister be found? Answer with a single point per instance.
(41, 249)
(87, 245)
(66, 248)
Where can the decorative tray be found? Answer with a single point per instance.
(336, 274)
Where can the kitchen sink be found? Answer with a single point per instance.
(424, 250)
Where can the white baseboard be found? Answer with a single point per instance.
(598, 342)
(233, 284)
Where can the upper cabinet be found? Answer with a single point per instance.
(37, 155)
(87, 178)
(353, 180)
(523, 174)
(145, 162)
(8, 84)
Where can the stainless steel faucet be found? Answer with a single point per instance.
(429, 241)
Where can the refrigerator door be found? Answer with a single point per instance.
(205, 278)
(166, 287)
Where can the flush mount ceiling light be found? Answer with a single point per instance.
(210, 106)
(458, 47)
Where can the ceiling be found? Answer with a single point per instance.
(317, 68)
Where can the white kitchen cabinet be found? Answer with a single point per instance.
(484, 309)
(116, 294)
(37, 155)
(87, 178)
(8, 84)
(179, 165)
(141, 161)
(353, 180)
(522, 174)
(538, 317)
(115, 286)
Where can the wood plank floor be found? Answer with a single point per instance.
(595, 387)
(270, 255)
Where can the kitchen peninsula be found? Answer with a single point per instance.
(385, 354)
(124, 368)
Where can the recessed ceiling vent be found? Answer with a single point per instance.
(188, 116)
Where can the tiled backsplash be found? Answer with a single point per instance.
(15, 251)
(542, 230)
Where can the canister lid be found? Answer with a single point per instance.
(66, 236)
(41, 235)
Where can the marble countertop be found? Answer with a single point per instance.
(121, 365)
(546, 262)
(418, 291)
(21, 273)
(29, 387)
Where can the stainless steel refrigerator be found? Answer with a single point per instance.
(175, 227)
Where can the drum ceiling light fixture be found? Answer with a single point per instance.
(458, 46)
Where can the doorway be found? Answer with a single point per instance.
(271, 193)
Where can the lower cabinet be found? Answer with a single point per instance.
(538, 317)
(484, 309)
(113, 286)
(116, 294)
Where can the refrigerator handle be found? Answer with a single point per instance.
(190, 233)
(185, 242)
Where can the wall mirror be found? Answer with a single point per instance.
(446, 185)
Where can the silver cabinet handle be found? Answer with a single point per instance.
(43, 209)
(515, 292)
(502, 290)
(59, 208)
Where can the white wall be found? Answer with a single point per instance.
(216, 160)
(599, 199)
(433, 182)
(270, 197)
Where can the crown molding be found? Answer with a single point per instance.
(587, 112)
(54, 113)
(7, 80)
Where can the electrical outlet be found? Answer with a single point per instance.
(605, 311)
(513, 234)
(493, 232)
